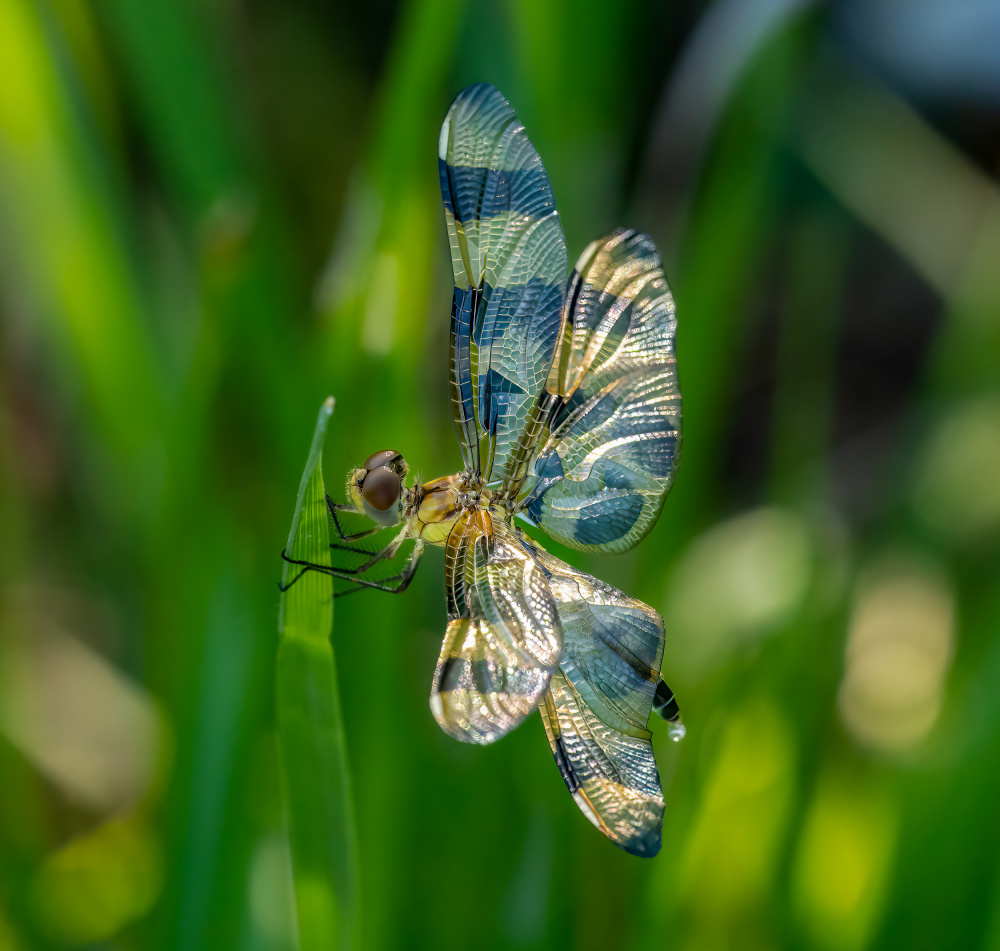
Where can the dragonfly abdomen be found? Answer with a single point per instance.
(665, 703)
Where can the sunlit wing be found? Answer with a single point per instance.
(598, 702)
(503, 639)
(599, 479)
(509, 262)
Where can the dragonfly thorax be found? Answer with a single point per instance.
(472, 493)
(432, 509)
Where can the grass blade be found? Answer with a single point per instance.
(313, 754)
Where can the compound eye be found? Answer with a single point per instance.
(384, 458)
(381, 489)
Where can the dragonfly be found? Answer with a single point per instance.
(566, 403)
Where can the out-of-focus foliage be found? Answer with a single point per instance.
(214, 214)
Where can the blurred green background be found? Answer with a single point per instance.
(213, 214)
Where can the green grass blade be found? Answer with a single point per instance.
(314, 758)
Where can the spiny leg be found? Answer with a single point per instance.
(404, 577)
(359, 583)
(388, 552)
(284, 587)
(347, 573)
(352, 549)
(334, 507)
(359, 586)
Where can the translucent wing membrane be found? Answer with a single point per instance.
(509, 263)
(503, 639)
(566, 402)
(614, 407)
(598, 702)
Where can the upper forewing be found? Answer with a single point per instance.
(598, 703)
(509, 263)
(599, 481)
(503, 640)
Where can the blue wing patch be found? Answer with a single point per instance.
(509, 264)
(614, 432)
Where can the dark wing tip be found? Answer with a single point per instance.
(645, 846)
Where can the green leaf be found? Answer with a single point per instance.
(313, 753)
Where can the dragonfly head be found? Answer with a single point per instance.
(376, 489)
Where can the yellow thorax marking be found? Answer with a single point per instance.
(440, 503)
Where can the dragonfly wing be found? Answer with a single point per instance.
(599, 481)
(503, 640)
(598, 703)
(509, 263)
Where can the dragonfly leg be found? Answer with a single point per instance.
(403, 578)
(352, 549)
(383, 584)
(284, 587)
(334, 507)
(388, 552)
(346, 574)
